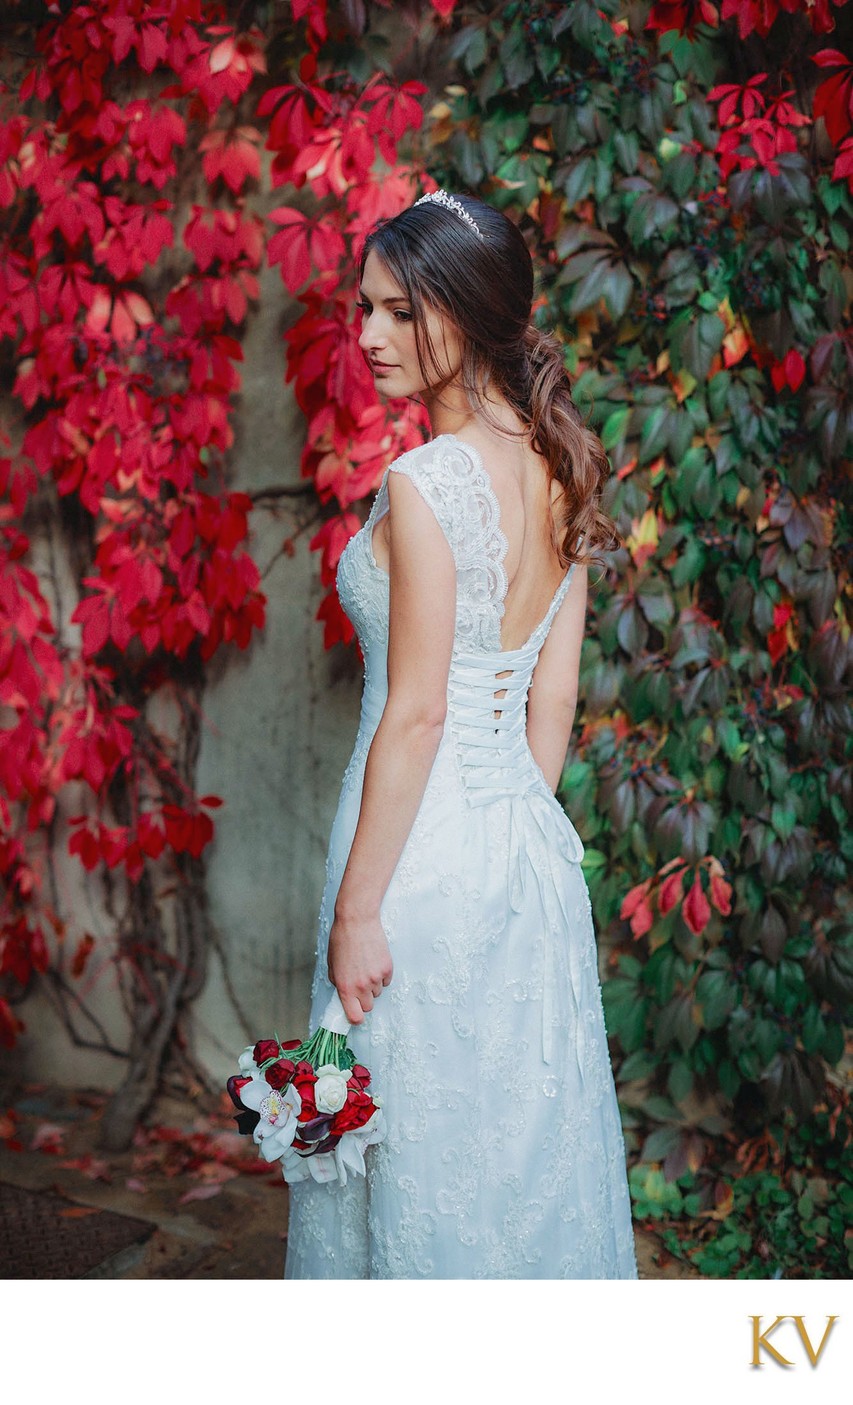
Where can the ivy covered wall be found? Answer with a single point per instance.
(683, 175)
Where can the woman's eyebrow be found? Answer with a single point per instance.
(386, 302)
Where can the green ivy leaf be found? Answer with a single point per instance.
(680, 1080)
(654, 434)
(516, 57)
(694, 342)
(784, 819)
(690, 563)
(615, 427)
(469, 45)
(716, 996)
(655, 602)
(578, 182)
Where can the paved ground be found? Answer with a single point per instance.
(211, 1208)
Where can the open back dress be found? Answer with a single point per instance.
(504, 1155)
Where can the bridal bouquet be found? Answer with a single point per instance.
(306, 1104)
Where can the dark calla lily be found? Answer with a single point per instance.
(315, 1129)
(247, 1122)
(327, 1144)
(234, 1084)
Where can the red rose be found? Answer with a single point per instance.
(265, 1049)
(304, 1078)
(304, 1074)
(360, 1074)
(291, 1044)
(358, 1109)
(278, 1075)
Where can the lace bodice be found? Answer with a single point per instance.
(487, 687)
(450, 476)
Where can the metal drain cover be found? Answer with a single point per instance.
(43, 1235)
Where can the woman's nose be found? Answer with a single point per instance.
(371, 337)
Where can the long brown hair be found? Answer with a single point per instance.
(484, 287)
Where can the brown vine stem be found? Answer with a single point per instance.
(175, 1077)
(62, 994)
(283, 490)
(304, 527)
(151, 1002)
(165, 977)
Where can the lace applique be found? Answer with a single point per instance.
(450, 477)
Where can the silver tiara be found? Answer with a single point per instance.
(441, 197)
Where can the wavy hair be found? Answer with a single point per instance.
(484, 287)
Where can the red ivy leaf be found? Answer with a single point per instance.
(721, 893)
(671, 890)
(84, 950)
(290, 247)
(636, 906)
(696, 909)
(833, 101)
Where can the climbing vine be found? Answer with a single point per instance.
(683, 173)
(131, 137)
(684, 178)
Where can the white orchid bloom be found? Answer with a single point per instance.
(322, 1167)
(278, 1110)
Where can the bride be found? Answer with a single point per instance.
(455, 921)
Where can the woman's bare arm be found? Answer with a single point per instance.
(553, 696)
(404, 747)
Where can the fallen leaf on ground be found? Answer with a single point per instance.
(216, 1172)
(228, 1144)
(7, 1124)
(91, 1166)
(200, 1192)
(48, 1137)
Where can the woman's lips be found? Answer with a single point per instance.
(379, 367)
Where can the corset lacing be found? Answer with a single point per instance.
(495, 762)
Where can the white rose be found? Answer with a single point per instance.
(330, 1090)
(246, 1062)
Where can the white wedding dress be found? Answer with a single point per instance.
(504, 1155)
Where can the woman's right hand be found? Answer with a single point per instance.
(359, 963)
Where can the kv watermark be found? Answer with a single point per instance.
(760, 1341)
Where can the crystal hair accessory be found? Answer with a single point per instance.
(441, 197)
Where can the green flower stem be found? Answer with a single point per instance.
(322, 1047)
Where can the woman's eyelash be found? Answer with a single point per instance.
(399, 312)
